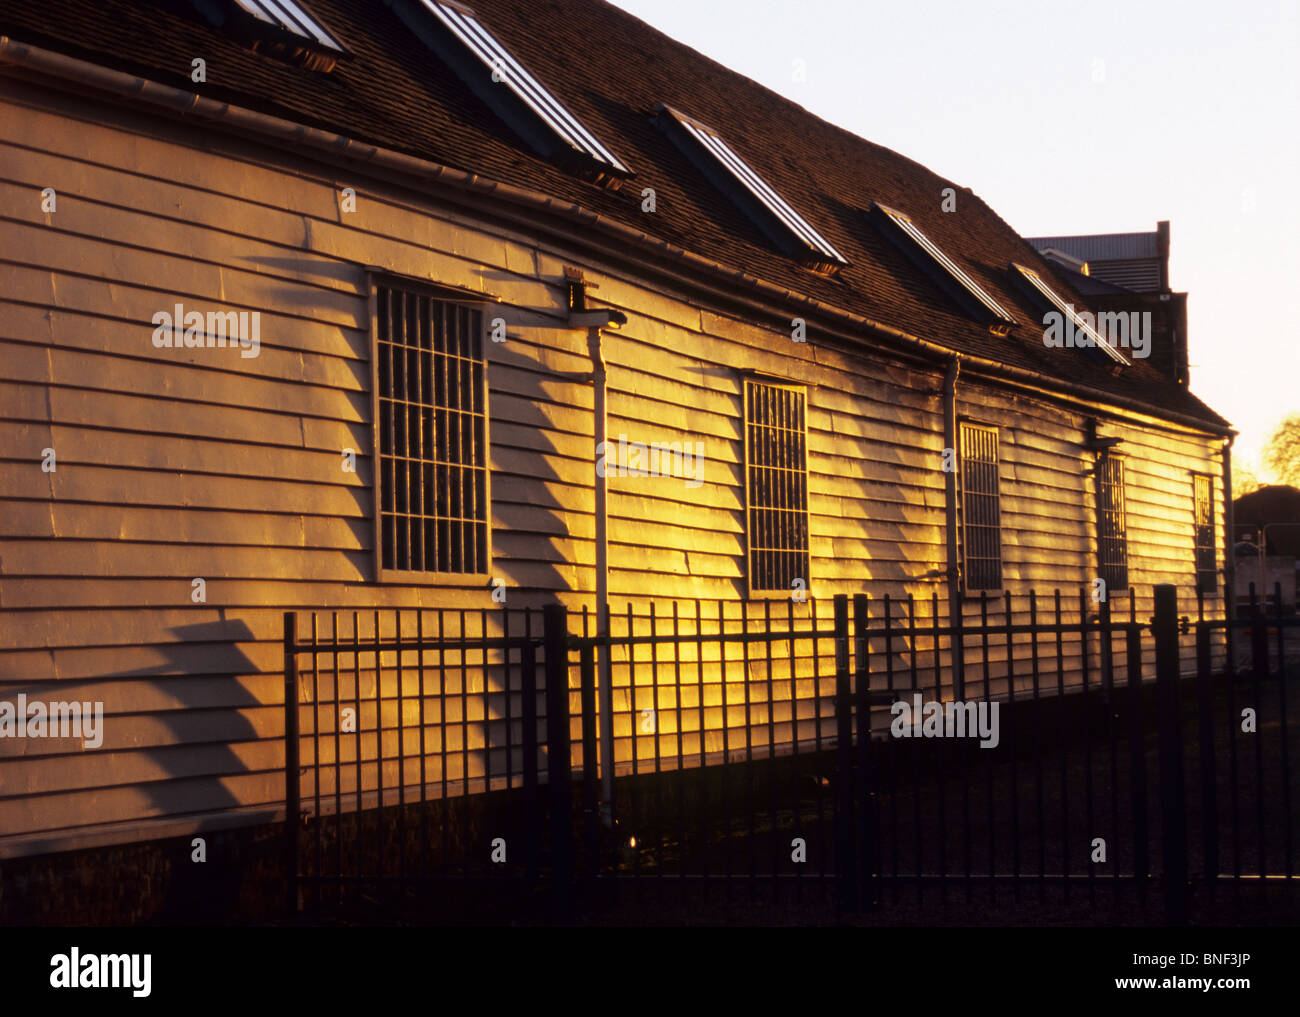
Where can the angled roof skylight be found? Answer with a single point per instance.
(772, 212)
(927, 253)
(1050, 296)
(287, 15)
(459, 38)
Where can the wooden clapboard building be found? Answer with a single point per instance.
(422, 209)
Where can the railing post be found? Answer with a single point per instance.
(1205, 733)
(593, 856)
(1173, 815)
(1259, 645)
(957, 642)
(1137, 760)
(532, 826)
(865, 798)
(1259, 679)
(846, 860)
(1107, 654)
(558, 764)
(1284, 732)
(292, 764)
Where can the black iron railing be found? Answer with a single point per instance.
(788, 756)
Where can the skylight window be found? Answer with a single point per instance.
(287, 15)
(1069, 313)
(772, 212)
(927, 253)
(491, 70)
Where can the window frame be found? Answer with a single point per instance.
(1106, 460)
(467, 44)
(789, 230)
(943, 270)
(780, 593)
(1207, 579)
(448, 294)
(1038, 289)
(962, 424)
(265, 33)
(269, 21)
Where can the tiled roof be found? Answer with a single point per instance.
(612, 71)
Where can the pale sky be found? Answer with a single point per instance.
(1195, 119)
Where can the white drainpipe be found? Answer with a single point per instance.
(596, 321)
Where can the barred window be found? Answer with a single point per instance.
(776, 470)
(431, 420)
(981, 532)
(1207, 576)
(1111, 523)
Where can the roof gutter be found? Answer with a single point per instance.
(176, 100)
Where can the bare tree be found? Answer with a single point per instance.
(1244, 480)
(1282, 453)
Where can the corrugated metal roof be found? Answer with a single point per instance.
(1103, 246)
(1142, 275)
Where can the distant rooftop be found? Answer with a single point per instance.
(1103, 246)
(1274, 505)
(1134, 261)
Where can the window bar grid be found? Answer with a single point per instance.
(1113, 523)
(1206, 573)
(432, 468)
(778, 526)
(981, 508)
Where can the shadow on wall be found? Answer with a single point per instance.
(206, 722)
(471, 711)
(193, 752)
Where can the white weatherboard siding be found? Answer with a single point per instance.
(173, 465)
